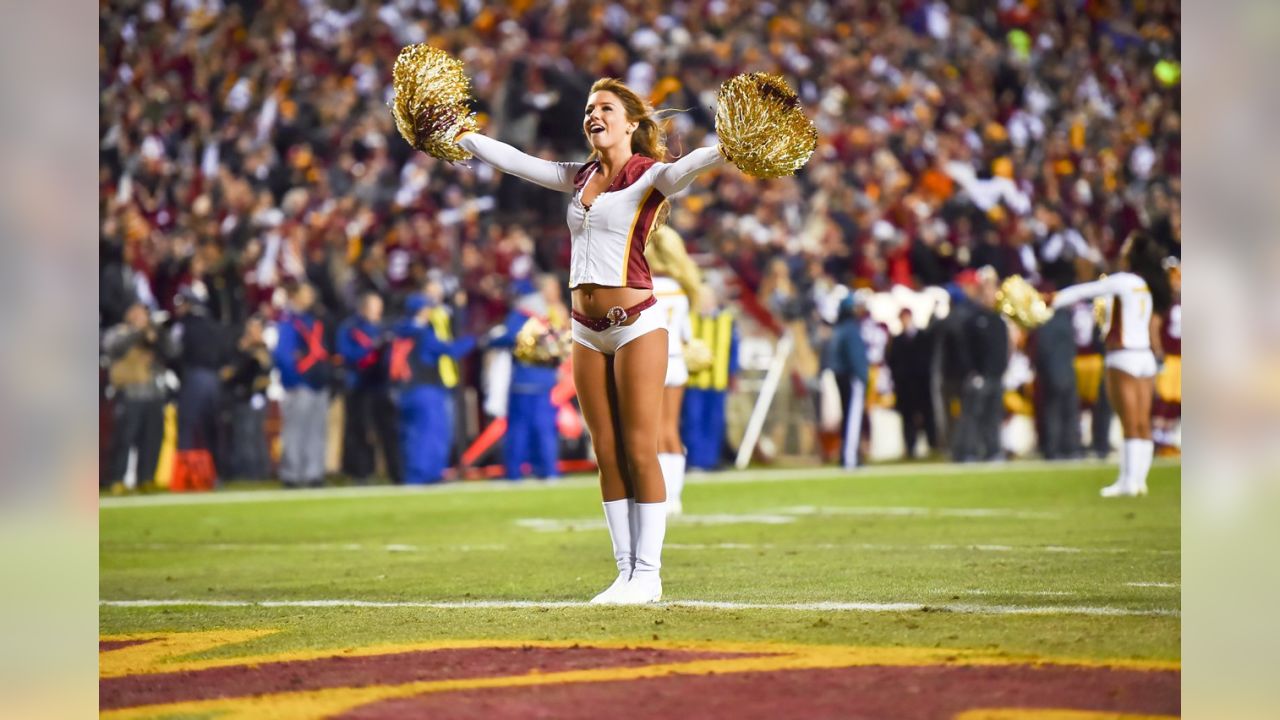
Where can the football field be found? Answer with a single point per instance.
(930, 591)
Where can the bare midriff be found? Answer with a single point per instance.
(594, 301)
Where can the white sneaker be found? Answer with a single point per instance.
(611, 593)
(640, 591)
(1120, 489)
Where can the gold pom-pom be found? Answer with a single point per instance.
(697, 355)
(539, 344)
(762, 128)
(1022, 303)
(430, 105)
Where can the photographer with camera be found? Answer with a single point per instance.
(134, 349)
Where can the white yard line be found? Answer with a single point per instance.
(1153, 585)
(591, 524)
(886, 547)
(920, 512)
(788, 515)
(873, 607)
(743, 476)
(302, 547)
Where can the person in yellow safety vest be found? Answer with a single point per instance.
(702, 422)
(422, 365)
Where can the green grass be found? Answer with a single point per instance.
(1044, 539)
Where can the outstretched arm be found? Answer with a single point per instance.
(1069, 296)
(551, 175)
(676, 176)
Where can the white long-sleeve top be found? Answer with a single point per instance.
(608, 238)
(1127, 323)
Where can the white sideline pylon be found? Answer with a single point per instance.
(767, 390)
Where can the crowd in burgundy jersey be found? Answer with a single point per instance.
(246, 144)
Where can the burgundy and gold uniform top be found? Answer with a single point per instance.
(608, 237)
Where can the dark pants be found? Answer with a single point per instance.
(531, 435)
(702, 423)
(977, 435)
(247, 456)
(1100, 423)
(916, 409)
(370, 421)
(1059, 421)
(138, 425)
(426, 432)
(198, 410)
(853, 406)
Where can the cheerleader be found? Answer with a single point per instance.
(1139, 292)
(618, 198)
(675, 284)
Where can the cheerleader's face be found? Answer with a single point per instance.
(605, 121)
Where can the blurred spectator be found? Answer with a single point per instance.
(1166, 429)
(245, 381)
(134, 349)
(245, 147)
(302, 357)
(1057, 401)
(201, 348)
(846, 357)
(909, 356)
(531, 435)
(953, 362)
(981, 398)
(370, 420)
(702, 421)
(1090, 383)
(423, 364)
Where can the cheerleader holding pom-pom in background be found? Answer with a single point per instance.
(676, 285)
(1139, 294)
(619, 198)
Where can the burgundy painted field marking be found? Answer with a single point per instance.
(509, 679)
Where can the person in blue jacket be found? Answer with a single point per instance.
(302, 356)
(422, 364)
(702, 418)
(846, 356)
(370, 413)
(531, 435)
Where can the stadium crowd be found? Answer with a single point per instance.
(253, 187)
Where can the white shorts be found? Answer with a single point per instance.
(1138, 363)
(677, 371)
(611, 340)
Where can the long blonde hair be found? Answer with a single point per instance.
(666, 255)
(649, 137)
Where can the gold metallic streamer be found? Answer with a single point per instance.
(697, 355)
(1022, 303)
(762, 128)
(430, 106)
(539, 344)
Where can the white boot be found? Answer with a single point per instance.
(672, 465)
(645, 585)
(1146, 450)
(618, 517)
(1124, 485)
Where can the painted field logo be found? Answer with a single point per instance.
(150, 676)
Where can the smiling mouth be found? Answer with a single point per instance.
(595, 129)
